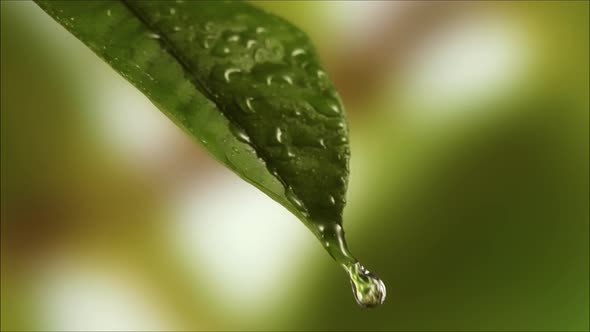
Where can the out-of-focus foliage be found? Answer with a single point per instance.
(473, 205)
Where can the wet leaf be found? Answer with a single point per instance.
(249, 87)
(245, 84)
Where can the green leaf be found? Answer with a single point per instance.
(246, 84)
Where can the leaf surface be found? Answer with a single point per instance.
(245, 84)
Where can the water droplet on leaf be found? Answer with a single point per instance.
(228, 72)
(153, 35)
(239, 133)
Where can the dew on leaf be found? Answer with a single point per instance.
(279, 135)
(228, 73)
(154, 35)
(239, 133)
(251, 43)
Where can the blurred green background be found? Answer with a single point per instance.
(469, 189)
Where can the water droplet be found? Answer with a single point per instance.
(275, 49)
(334, 107)
(325, 106)
(209, 41)
(239, 133)
(288, 79)
(260, 30)
(338, 124)
(208, 26)
(297, 52)
(249, 105)
(72, 18)
(288, 153)
(294, 200)
(331, 199)
(221, 50)
(233, 38)
(153, 35)
(172, 11)
(369, 291)
(251, 43)
(279, 135)
(322, 143)
(108, 12)
(177, 28)
(229, 72)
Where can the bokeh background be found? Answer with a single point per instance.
(469, 182)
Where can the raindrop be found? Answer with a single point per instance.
(326, 107)
(279, 135)
(229, 72)
(249, 106)
(172, 11)
(177, 28)
(108, 12)
(239, 133)
(208, 41)
(250, 43)
(261, 55)
(154, 36)
(260, 30)
(294, 200)
(288, 79)
(288, 153)
(369, 291)
(297, 52)
(338, 124)
(269, 79)
(221, 50)
(332, 200)
(334, 108)
(233, 38)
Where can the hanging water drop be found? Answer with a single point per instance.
(369, 291)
